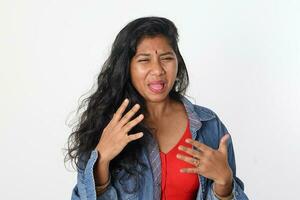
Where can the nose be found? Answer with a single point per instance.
(157, 68)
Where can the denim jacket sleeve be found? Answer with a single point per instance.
(85, 187)
(238, 186)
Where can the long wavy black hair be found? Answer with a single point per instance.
(113, 86)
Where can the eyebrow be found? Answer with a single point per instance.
(147, 54)
(167, 53)
(142, 54)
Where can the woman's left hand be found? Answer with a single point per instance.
(208, 162)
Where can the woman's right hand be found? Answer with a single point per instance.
(115, 135)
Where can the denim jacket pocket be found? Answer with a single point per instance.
(127, 184)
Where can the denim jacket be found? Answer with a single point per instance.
(205, 127)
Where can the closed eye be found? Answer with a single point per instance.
(143, 60)
(168, 58)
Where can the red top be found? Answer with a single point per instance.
(174, 184)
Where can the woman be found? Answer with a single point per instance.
(139, 137)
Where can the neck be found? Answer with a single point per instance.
(156, 110)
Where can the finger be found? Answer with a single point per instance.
(198, 145)
(223, 144)
(132, 123)
(188, 159)
(125, 119)
(190, 151)
(135, 136)
(119, 113)
(190, 170)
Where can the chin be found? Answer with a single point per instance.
(156, 98)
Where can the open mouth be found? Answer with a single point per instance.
(157, 86)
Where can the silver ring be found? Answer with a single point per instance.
(196, 162)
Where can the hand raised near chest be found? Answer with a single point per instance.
(209, 162)
(115, 135)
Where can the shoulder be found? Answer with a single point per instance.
(200, 114)
(209, 117)
(204, 113)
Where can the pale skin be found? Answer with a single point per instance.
(155, 60)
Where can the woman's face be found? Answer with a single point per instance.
(153, 68)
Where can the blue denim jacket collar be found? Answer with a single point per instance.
(194, 117)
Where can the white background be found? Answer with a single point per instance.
(243, 59)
